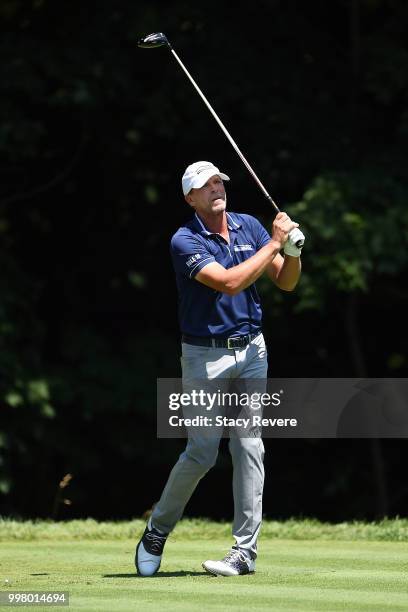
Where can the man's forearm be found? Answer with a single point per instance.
(244, 274)
(288, 276)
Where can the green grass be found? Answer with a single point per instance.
(317, 567)
(390, 530)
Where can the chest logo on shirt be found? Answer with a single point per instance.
(192, 259)
(243, 247)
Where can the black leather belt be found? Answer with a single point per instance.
(229, 343)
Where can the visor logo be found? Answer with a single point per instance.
(202, 168)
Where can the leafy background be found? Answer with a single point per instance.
(94, 136)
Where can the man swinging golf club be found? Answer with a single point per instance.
(217, 258)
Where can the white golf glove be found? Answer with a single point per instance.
(290, 247)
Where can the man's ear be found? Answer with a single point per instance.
(189, 200)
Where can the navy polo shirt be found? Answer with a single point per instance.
(204, 311)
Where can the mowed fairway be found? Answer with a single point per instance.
(291, 575)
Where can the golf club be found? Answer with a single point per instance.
(158, 39)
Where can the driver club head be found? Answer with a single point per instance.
(157, 39)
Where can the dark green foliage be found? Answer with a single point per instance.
(94, 136)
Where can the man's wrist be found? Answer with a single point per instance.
(275, 246)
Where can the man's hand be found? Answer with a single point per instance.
(290, 247)
(285, 271)
(281, 227)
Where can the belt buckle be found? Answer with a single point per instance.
(228, 343)
(240, 342)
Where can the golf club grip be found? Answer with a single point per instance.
(299, 243)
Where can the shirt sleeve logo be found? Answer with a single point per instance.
(193, 259)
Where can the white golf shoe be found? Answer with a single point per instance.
(149, 551)
(236, 563)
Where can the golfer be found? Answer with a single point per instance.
(217, 258)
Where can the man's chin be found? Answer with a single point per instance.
(218, 205)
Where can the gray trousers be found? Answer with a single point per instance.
(201, 450)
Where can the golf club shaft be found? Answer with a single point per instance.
(224, 129)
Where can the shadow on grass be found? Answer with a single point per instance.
(159, 575)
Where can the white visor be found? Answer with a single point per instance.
(197, 174)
